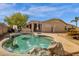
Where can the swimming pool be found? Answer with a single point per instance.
(24, 43)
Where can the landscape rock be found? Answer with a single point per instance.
(55, 49)
(39, 52)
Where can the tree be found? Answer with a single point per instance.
(75, 20)
(16, 19)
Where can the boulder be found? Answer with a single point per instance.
(56, 49)
(39, 52)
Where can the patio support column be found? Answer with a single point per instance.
(37, 27)
(53, 28)
(32, 28)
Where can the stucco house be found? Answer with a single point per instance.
(51, 26)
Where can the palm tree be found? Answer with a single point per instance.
(75, 20)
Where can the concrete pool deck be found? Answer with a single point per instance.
(68, 46)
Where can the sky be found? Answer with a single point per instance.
(41, 11)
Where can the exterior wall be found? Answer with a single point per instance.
(0, 30)
(59, 28)
(54, 26)
(46, 28)
(3, 29)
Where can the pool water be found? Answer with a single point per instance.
(24, 43)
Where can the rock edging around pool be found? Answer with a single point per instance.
(55, 50)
